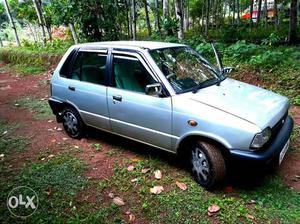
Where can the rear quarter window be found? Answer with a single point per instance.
(67, 64)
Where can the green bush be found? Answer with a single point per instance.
(267, 60)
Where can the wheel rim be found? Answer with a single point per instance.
(70, 123)
(200, 165)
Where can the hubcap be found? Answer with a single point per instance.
(200, 164)
(70, 123)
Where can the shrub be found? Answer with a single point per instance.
(267, 60)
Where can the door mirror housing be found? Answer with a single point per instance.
(154, 89)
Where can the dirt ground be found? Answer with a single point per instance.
(47, 134)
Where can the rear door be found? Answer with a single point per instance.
(134, 114)
(87, 87)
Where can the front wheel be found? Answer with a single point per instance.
(207, 164)
(72, 123)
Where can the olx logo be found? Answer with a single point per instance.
(22, 201)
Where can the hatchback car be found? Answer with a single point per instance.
(169, 96)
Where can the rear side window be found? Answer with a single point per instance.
(89, 67)
(65, 68)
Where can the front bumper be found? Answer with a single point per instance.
(273, 149)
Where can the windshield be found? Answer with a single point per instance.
(185, 69)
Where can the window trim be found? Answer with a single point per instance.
(140, 58)
(77, 54)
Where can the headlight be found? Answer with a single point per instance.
(261, 138)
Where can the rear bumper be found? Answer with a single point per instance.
(273, 149)
(55, 105)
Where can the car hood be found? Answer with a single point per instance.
(253, 104)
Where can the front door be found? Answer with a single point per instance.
(146, 118)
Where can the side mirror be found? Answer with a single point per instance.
(154, 89)
(227, 70)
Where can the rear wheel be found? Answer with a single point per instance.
(207, 164)
(72, 123)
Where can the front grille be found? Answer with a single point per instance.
(276, 128)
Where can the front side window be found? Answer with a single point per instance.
(185, 69)
(130, 74)
(89, 67)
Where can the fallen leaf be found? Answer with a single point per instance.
(128, 212)
(250, 217)
(130, 168)
(157, 174)
(59, 129)
(135, 160)
(1, 155)
(213, 208)
(118, 201)
(131, 217)
(50, 121)
(4, 133)
(111, 195)
(181, 185)
(229, 189)
(42, 159)
(146, 170)
(64, 139)
(76, 146)
(53, 140)
(157, 189)
(252, 201)
(51, 156)
(134, 180)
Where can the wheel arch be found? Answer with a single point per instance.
(185, 141)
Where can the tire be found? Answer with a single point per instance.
(207, 165)
(72, 123)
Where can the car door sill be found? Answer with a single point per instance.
(146, 143)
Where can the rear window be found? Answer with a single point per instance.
(89, 67)
(65, 68)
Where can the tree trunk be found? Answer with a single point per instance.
(206, 17)
(238, 11)
(266, 13)
(133, 20)
(73, 32)
(186, 16)
(157, 24)
(1, 43)
(275, 15)
(147, 18)
(165, 8)
(12, 23)
(127, 18)
(251, 11)
(178, 12)
(293, 22)
(47, 26)
(39, 15)
(258, 12)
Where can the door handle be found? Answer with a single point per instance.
(118, 98)
(72, 88)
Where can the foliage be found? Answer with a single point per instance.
(170, 26)
(267, 60)
(271, 40)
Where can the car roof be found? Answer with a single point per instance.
(151, 45)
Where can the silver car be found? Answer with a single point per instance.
(169, 96)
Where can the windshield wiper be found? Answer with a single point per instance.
(205, 83)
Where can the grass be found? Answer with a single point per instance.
(9, 142)
(273, 200)
(56, 182)
(39, 106)
(23, 70)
